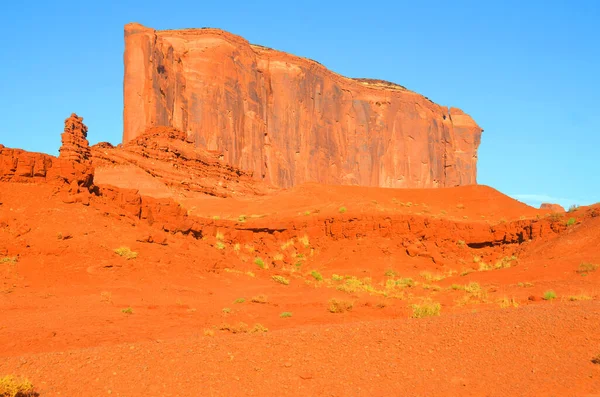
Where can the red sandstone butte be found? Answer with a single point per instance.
(288, 119)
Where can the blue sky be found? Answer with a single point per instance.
(527, 71)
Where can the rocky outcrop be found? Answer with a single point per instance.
(552, 207)
(162, 161)
(289, 120)
(73, 166)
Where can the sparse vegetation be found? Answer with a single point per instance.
(259, 299)
(241, 327)
(12, 386)
(126, 253)
(426, 309)
(226, 310)
(281, 280)
(571, 221)
(260, 263)
(285, 314)
(431, 277)
(342, 210)
(337, 277)
(587, 267)
(573, 208)
(390, 273)
(316, 275)
(259, 328)
(242, 218)
(220, 245)
(220, 236)
(549, 295)
(127, 310)
(9, 259)
(580, 297)
(236, 247)
(508, 302)
(525, 285)
(461, 243)
(340, 305)
(239, 300)
(505, 262)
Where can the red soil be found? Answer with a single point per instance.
(63, 290)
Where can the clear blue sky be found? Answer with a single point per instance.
(527, 71)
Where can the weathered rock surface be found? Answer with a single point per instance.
(552, 207)
(289, 120)
(161, 163)
(73, 166)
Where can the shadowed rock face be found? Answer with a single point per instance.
(289, 120)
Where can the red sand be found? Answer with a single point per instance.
(62, 299)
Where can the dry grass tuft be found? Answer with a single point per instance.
(426, 309)
(126, 253)
(281, 280)
(12, 386)
(340, 305)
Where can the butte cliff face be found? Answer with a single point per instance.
(289, 120)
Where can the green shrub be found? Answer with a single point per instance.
(316, 275)
(549, 295)
(285, 314)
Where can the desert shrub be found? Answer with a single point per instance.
(281, 280)
(220, 236)
(285, 314)
(260, 263)
(461, 243)
(573, 208)
(342, 210)
(226, 310)
(259, 328)
(508, 302)
(587, 267)
(239, 300)
(9, 259)
(571, 221)
(220, 245)
(12, 386)
(242, 218)
(337, 277)
(431, 277)
(126, 253)
(426, 309)
(316, 275)
(390, 273)
(340, 305)
(127, 310)
(549, 295)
